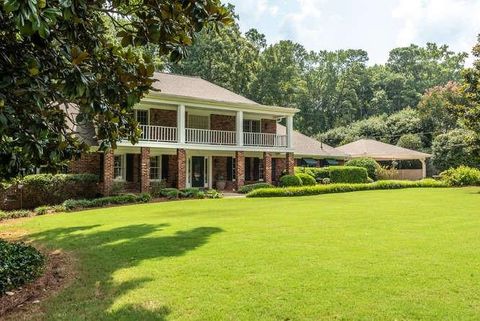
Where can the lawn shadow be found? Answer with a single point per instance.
(101, 253)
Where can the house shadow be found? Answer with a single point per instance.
(103, 252)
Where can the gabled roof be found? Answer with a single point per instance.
(195, 87)
(380, 151)
(307, 146)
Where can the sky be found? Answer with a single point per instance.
(376, 26)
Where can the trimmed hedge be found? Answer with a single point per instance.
(251, 187)
(461, 176)
(19, 265)
(307, 179)
(70, 205)
(290, 180)
(41, 189)
(369, 164)
(343, 188)
(336, 174)
(348, 174)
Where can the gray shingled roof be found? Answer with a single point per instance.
(195, 87)
(380, 151)
(307, 146)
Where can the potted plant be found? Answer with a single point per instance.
(221, 182)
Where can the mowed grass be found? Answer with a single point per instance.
(409, 254)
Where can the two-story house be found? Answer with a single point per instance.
(197, 134)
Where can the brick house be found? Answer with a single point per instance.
(197, 134)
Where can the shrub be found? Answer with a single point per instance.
(105, 201)
(369, 164)
(290, 180)
(14, 214)
(248, 188)
(42, 210)
(318, 173)
(461, 176)
(20, 264)
(326, 181)
(342, 188)
(156, 187)
(385, 173)
(41, 189)
(172, 193)
(348, 174)
(118, 187)
(165, 191)
(192, 192)
(307, 179)
(211, 193)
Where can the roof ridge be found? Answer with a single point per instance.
(180, 75)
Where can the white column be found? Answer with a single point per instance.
(424, 168)
(290, 131)
(239, 120)
(181, 124)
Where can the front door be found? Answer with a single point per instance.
(198, 171)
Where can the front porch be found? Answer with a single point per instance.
(136, 168)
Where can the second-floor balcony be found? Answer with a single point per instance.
(212, 137)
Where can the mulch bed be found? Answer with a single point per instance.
(24, 301)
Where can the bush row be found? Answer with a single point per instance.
(41, 189)
(337, 174)
(369, 164)
(70, 205)
(20, 264)
(251, 187)
(342, 188)
(173, 193)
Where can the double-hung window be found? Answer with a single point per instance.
(119, 167)
(155, 168)
(142, 116)
(251, 126)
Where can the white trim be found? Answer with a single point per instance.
(158, 98)
(123, 167)
(206, 147)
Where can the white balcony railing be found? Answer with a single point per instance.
(264, 139)
(210, 137)
(159, 133)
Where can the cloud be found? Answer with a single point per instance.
(453, 22)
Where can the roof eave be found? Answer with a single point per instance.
(215, 103)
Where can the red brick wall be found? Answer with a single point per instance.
(222, 122)
(269, 126)
(290, 166)
(108, 160)
(267, 168)
(181, 166)
(240, 169)
(162, 117)
(144, 169)
(88, 163)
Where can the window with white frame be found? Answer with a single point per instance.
(142, 116)
(119, 167)
(251, 126)
(156, 168)
(198, 122)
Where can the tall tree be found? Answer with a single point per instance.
(58, 52)
(224, 57)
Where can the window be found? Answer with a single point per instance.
(142, 116)
(119, 167)
(198, 122)
(155, 167)
(251, 126)
(231, 169)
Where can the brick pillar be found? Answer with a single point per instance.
(144, 170)
(181, 168)
(290, 164)
(239, 169)
(108, 159)
(267, 167)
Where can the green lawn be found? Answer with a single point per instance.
(410, 254)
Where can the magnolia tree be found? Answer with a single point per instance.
(54, 53)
